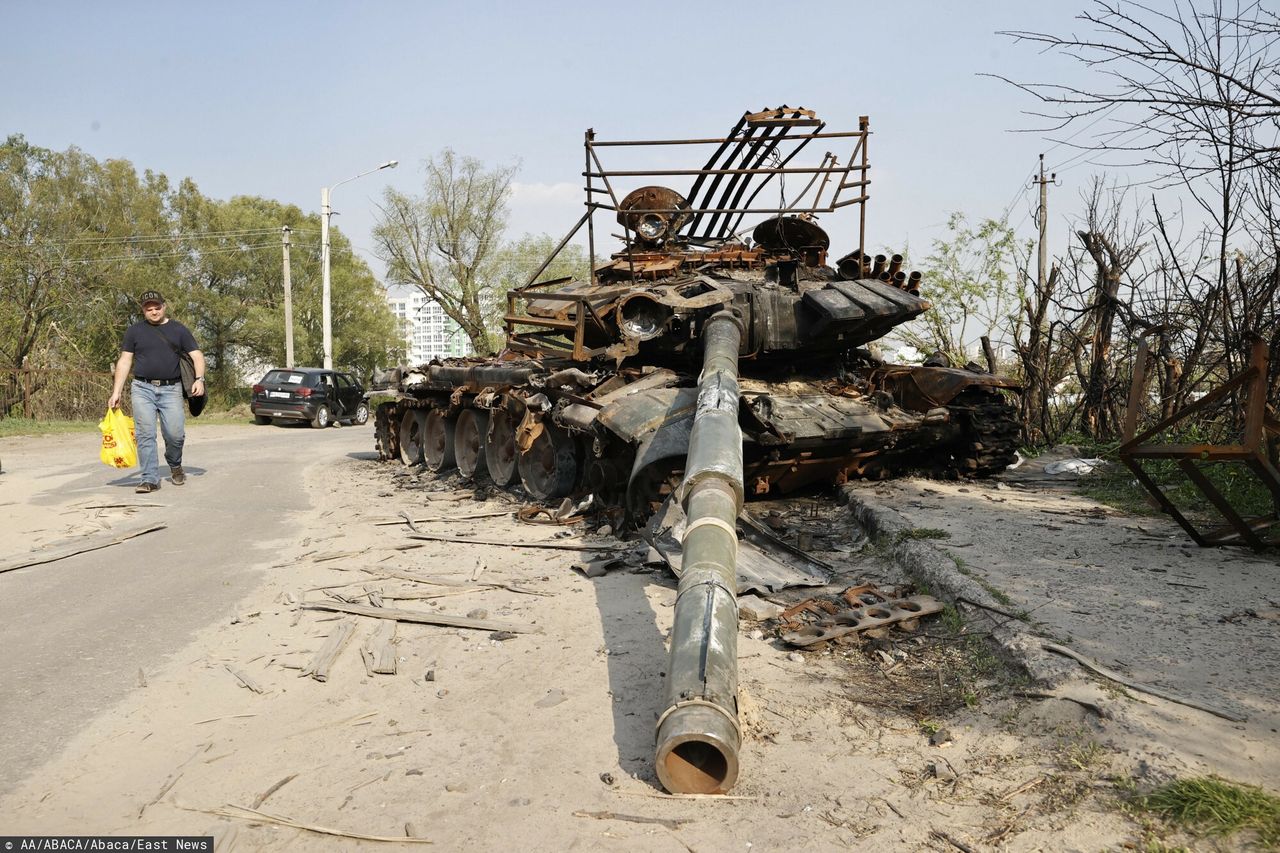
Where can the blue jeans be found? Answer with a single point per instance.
(165, 401)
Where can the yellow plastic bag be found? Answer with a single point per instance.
(119, 447)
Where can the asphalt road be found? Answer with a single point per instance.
(76, 632)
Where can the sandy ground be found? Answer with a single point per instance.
(1137, 596)
(544, 740)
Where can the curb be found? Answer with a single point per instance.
(925, 563)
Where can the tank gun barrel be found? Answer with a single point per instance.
(697, 734)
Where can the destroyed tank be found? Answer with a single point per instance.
(595, 389)
(716, 355)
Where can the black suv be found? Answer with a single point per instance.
(309, 394)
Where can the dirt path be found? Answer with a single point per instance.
(544, 740)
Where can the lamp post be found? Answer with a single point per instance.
(325, 213)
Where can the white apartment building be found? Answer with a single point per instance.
(428, 333)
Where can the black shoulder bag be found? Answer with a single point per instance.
(187, 368)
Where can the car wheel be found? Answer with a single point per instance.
(261, 420)
(321, 420)
(362, 415)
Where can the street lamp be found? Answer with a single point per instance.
(325, 213)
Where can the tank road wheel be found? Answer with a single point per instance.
(500, 447)
(468, 442)
(549, 467)
(386, 432)
(437, 445)
(412, 427)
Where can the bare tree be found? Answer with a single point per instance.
(1169, 79)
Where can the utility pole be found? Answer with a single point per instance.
(1043, 270)
(288, 301)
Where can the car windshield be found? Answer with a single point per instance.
(289, 377)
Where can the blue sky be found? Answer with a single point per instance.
(280, 99)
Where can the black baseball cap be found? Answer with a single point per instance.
(150, 296)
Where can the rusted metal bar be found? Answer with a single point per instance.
(588, 139)
(864, 128)
(1229, 514)
(860, 200)
(623, 143)
(1251, 451)
(698, 210)
(759, 170)
(1203, 403)
(559, 247)
(1190, 451)
(1161, 498)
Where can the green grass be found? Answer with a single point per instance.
(28, 426)
(12, 426)
(1213, 806)
(1118, 488)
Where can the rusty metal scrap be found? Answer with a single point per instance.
(866, 617)
(1260, 427)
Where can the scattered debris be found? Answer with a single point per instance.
(765, 563)
(445, 519)
(379, 650)
(876, 610)
(755, 608)
(1076, 467)
(255, 816)
(669, 823)
(415, 616)
(40, 558)
(466, 540)
(262, 798)
(383, 574)
(227, 717)
(333, 646)
(598, 565)
(246, 680)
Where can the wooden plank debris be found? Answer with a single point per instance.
(440, 518)
(333, 646)
(422, 618)
(454, 584)
(669, 823)
(379, 650)
(555, 546)
(37, 559)
(227, 717)
(245, 679)
(255, 816)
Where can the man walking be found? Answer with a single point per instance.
(150, 350)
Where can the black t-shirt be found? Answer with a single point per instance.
(152, 348)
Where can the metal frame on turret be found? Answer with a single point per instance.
(755, 152)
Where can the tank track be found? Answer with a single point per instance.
(991, 433)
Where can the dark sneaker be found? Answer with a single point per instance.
(177, 475)
(147, 488)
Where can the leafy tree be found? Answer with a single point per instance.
(447, 241)
(969, 278)
(81, 239)
(516, 262)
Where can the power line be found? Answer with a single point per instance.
(154, 256)
(189, 235)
